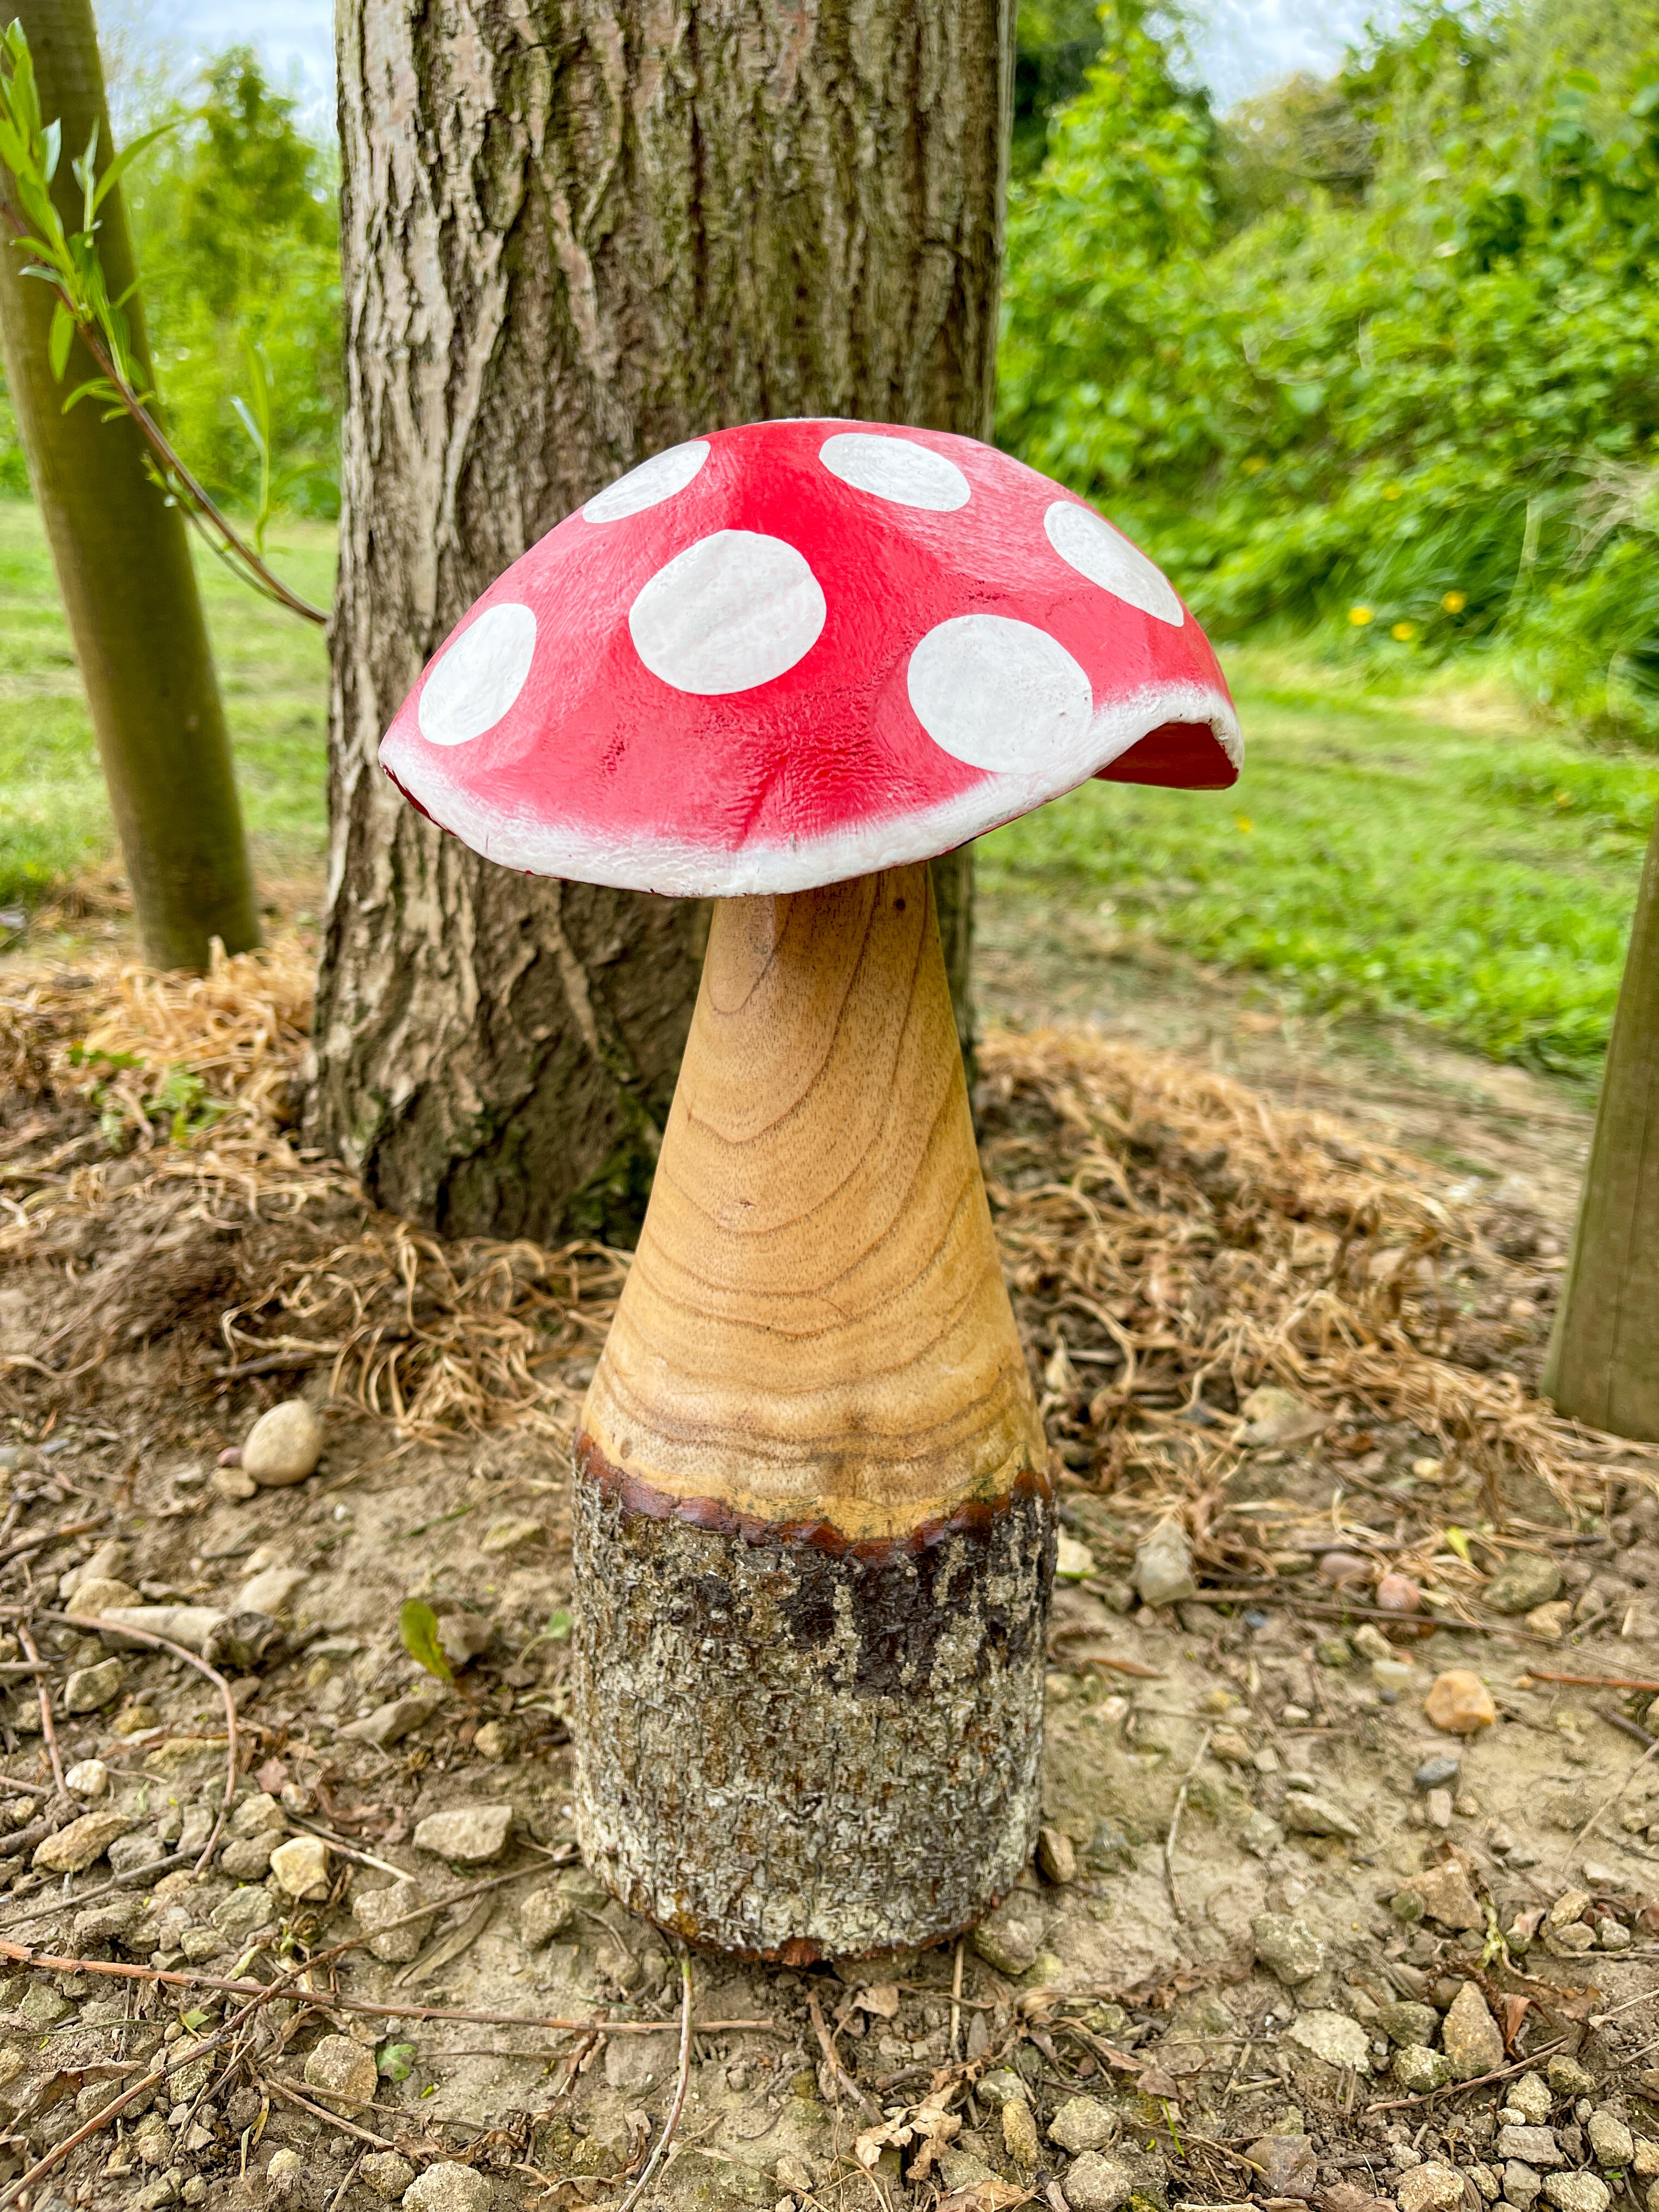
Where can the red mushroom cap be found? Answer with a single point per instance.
(782, 655)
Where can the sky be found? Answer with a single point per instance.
(1247, 44)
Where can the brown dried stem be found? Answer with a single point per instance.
(48, 1727)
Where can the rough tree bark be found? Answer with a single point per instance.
(123, 562)
(573, 235)
(1603, 1365)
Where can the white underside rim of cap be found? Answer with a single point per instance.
(677, 867)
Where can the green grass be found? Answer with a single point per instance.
(1375, 861)
(273, 669)
(1383, 856)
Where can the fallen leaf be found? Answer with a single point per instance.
(417, 1625)
(994, 2195)
(447, 1947)
(881, 1998)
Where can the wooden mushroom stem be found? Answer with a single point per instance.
(814, 1537)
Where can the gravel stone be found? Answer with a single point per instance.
(1009, 1938)
(1083, 2123)
(87, 1777)
(284, 2171)
(544, 1914)
(446, 2188)
(1332, 2037)
(1470, 2037)
(387, 2175)
(1568, 2078)
(1527, 1580)
(342, 2072)
(1285, 2165)
(373, 1908)
(996, 2088)
(1163, 1566)
(88, 1689)
(1610, 2139)
(1056, 1856)
(1019, 2133)
(244, 1911)
(1530, 2097)
(1417, 2069)
(1099, 2181)
(259, 1815)
(73, 1848)
(301, 1866)
(1577, 2192)
(1287, 1948)
(283, 1445)
(471, 1835)
(389, 1723)
(1447, 1896)
(1437, 1773)
(1460, 1702)
(1521, 2183)
(1536, 2146)
(247, 1857)
(1306, 1814)
(1431, 2187)
(271, 1592)
(1405, 2023)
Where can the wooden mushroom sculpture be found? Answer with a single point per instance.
(781, 666)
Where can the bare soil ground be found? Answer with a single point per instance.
(1202, 1995)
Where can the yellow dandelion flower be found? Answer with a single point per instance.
(1245, 822)
(1455, 602)
(1404, 631)
(1254, 465)
(1360, 616)
(1393, 491)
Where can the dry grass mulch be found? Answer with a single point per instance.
(1173, 1242)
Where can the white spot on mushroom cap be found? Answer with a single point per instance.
(732, 610)
(998, 694)
(480, 676)
(649, 484)
(1089, 545)
(897, 469)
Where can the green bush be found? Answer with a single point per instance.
(1416, 403)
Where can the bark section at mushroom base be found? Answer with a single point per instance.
(814, 1533)
(797, 1749)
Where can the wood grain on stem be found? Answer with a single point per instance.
(815, 1328)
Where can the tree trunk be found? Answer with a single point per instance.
(573, 237)
(813, 1529)
(123, 565)
(1603, 1365)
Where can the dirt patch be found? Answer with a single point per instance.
(1284, 1366)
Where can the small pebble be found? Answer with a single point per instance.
(87, 1777)
(448, 2188)
(300, 1867)
(1056, 1856)
(283, 1445)
(342, 2072)
(1609, 2138)
(1399, 1594)
(1438, 1773)
(469, 1835)
(1431, 2187)
(1460, 1702)
(1470, 2037)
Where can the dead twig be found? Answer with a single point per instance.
(680, 2088)
(330, 2119)
(1595, 1682)
(48, 1727)
(1456, 2088)
(838, 2073)
(956, 2002)
(1174, 1823)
